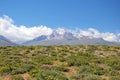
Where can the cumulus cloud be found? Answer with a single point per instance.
(23, 33)
(93, 33)
(60, 31)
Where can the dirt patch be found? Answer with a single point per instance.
(26, 76)
(7, 77)
(72, 71)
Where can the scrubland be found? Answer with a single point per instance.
(82, 62)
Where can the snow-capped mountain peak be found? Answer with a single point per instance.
(63, 37)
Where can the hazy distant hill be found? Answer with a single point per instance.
(6, 42)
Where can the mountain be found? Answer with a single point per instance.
(36, 40)
(67, 38)
(95, 41)
(55, 38)
(6, 42)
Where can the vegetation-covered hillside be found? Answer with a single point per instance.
(60, 63)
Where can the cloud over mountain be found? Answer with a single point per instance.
(91, 32)
(23, 33)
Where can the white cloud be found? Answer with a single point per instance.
(60, 31)
(91, 32)
(23, 33)
(110, 37)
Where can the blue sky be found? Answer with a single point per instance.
(103, 15)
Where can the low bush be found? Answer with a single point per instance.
(85, 77)
(60, 68)
(17, 77)
(91, 70)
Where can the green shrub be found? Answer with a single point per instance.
(76, 60)
(49, 75)
(34, 73)
(21, 68)
(85, 77)
(115, 64)
(60, 68)
(114, 73)
(114, 78)
(17, 77)
(91, 69)
(43, 59)
(92, 77)
(52, 75)
(6, 69)
(54, 54)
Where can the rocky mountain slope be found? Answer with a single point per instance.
(67, 38)
(6, 42)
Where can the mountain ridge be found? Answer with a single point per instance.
(67, 38)
(6, 42)
(60, 38)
